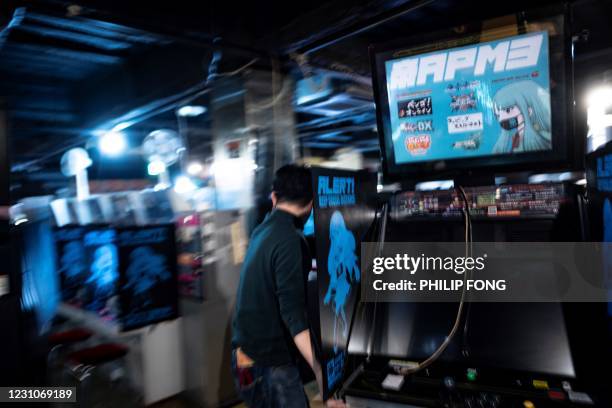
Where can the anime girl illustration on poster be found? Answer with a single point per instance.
(523, 112)
(343, 271)
(149, 287)
(146, 270)
(103, 281)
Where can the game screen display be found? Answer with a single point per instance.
(485, 99)
(72, 266)
(88, 267)
(98, 292)
(148, 286)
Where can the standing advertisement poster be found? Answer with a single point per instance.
(148, 275)
(341, 218)
(491, 98)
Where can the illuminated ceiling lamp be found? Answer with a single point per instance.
(194, 168)
(112, 143)
(599, 113)
(190, 111)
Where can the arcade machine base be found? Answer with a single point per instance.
(510, 344)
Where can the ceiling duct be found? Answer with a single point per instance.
(331, 95)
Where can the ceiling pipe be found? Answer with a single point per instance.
(15, 21)
(191, 39)
(165, 104)
(355, 29)
(156, 107)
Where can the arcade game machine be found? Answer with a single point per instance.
(599, 184)
(123, 271)
(471, 105)
(117, 272)
(343, 217)
(33, 280)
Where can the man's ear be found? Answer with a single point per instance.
(274, 198)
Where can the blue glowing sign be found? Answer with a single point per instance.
(335, 191)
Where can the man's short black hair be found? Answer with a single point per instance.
(293, 184)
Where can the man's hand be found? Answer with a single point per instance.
(302, 341)
(335, 403)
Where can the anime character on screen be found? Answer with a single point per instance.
(145, 271)
(72, 260)
(103, 275)
(73, 271)
(343, 270)
(523, 112)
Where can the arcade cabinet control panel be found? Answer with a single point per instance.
(460, 387)
(522, 200)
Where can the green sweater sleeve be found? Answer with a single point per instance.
(289, 279)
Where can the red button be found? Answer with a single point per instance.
(557, 395)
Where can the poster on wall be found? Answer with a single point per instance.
(484, 99)
(341, 219)
(71, 263)
(148, 276)
(102, 263)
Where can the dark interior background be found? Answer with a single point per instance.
(68, 68)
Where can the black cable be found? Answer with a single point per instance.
(465, 351)
(381, 240)
(468, 249)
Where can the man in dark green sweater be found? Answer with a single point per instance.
(270, 314)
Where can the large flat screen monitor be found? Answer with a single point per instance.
(493, 99)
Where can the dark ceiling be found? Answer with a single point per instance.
(68, 68)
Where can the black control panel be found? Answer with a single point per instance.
(463, 387)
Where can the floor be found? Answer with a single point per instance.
(97, 391)
(312, 392)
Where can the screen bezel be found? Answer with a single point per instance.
(565, 153)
